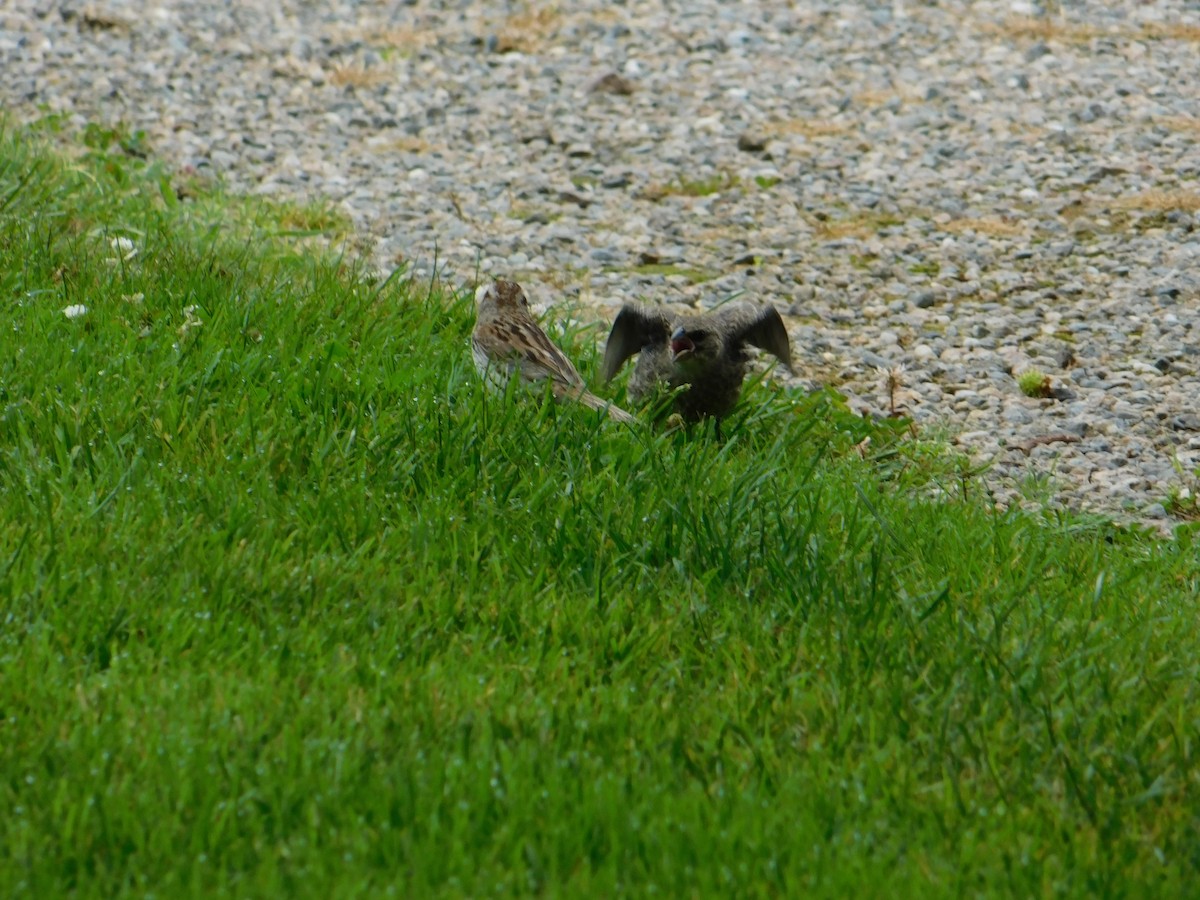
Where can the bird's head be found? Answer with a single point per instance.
(694, 347)
(501, 296)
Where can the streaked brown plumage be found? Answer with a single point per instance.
(705, 353)
(507, 342)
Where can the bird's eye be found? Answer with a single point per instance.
(698, 335)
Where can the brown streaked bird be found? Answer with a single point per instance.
(507, 342)
(704, 354)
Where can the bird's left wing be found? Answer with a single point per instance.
(761, 326)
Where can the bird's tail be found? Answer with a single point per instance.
(614, 412)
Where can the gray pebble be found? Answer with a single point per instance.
(1186, 422)
(752, 141)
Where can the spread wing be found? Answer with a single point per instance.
(634, 328)
(761, 326)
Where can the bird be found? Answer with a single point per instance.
(703, 356)
(507, 342)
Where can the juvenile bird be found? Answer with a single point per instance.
(507, 342)
(705, 353)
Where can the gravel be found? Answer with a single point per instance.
(965, 189)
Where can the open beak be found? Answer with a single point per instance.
(681, 345)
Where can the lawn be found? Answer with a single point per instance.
(291, 607)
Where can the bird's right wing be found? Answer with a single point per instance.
(634, 328)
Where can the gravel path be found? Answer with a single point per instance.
(966, 189)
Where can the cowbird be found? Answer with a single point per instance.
(705, 355)
(507, 342)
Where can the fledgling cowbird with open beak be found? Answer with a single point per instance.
(507, 342)
(707, 353)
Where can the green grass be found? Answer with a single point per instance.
(696, 187)
(1182, 500)
(1034, 383)
(705, 187)
(291, 607)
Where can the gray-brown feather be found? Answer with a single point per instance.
(635, 330)
(761, 327)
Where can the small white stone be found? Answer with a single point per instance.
(923, 352)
